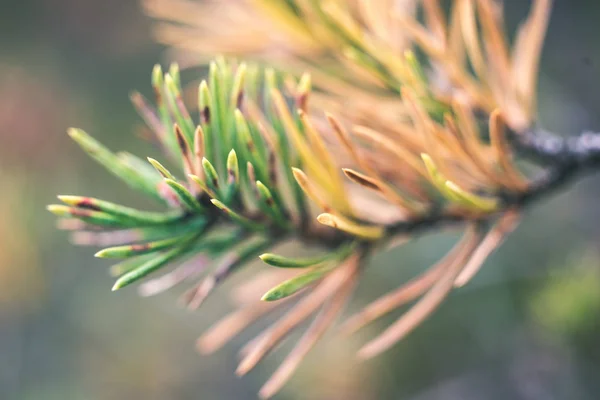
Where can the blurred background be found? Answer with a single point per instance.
(528, 327)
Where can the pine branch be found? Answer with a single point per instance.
(576, 152)
(403, 153)
(259, 148)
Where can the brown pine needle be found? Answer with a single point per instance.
(308, 305)
(245, 295)
(231, 325)
(345, 140)
(422, 36)
(471, 36)
(460, 152)
(317, 143)
(494, 40)
(434, 16)
(390, 145)
(493, 239)
(513, 179)
(405, 294)
(472, 144)
(378, 187)
(311, 190)
(309, 161)
(526, 55)
(425, 306)
(194, 297)
(104, 239)
(364, 180)
(312, 335)
(456, 46)
(70, 224)
(148, 114)
(167, 281)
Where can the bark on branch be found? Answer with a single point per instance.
(564, 159)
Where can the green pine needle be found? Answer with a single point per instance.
(294, 285)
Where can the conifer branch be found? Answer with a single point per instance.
(349, 144)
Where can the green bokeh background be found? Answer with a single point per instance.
(528, 326)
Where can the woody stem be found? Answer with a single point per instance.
(564, 159)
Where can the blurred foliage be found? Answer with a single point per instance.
(570, 300)
(21, 276)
